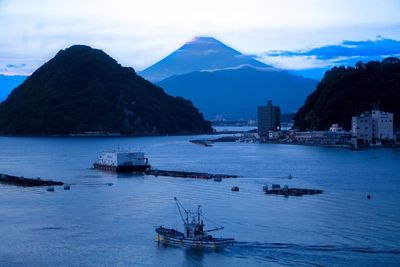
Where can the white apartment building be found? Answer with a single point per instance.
(372, 126)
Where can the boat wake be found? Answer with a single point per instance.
(333, 248)
(286, 254)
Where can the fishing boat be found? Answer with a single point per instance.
(194, 234)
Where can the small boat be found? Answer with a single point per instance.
(218, 179)
(194, 234)
(50, 189)
(235, 188)
(67, 187)
(207, 143)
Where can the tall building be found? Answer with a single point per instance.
(372, 126)
(269, 118)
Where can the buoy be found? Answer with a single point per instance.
(50, 189)
(369, 196)
(235, 188)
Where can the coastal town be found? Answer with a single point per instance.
(373, 128)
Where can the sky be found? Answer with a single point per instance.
(284, 33)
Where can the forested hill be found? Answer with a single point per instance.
(348, 91)
(84, 90)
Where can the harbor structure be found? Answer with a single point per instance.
(27, 182)
(335, 128)
(397, 135)
(122, 161)
(335, 136)
(373, 127)
(269, 118)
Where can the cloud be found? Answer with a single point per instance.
(15, 66)
(267, 68)
(314, 62)
(347, 49)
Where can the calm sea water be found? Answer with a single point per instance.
(99, 225)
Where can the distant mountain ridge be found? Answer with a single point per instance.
(201, 53)
(235, 93)
(223, 82)
(84, 90)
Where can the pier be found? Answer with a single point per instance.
(29, 182)
(183, 174)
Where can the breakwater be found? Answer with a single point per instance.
(22, 181)
(184, 174)
(292, 191)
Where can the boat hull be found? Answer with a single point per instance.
(121, 169)
(173, 237)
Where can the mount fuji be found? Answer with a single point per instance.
(222, 82)
(201, 53)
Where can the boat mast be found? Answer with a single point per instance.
(180, 208)
(199, 214)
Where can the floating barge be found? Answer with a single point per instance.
(292, 191)
(122, 162)
(136, 162)
(183, 174)
(28, 182)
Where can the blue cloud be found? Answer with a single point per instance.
(377, 49)
(13, 66)
(314, 62)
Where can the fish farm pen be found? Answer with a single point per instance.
(21, 181)
(183, 174)
(292, 191)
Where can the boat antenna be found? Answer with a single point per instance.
(217, 228)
